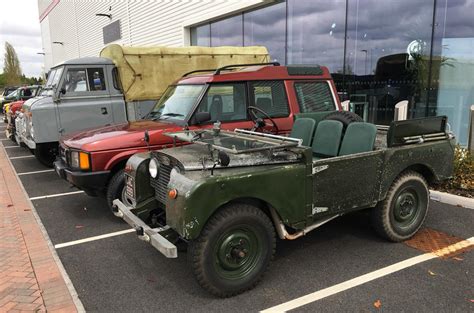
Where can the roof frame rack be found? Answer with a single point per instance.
(198, 71)
(227, 67)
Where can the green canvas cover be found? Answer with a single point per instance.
(146, 72)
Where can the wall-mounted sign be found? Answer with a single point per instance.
(112, 32)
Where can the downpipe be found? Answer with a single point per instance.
(281, 229)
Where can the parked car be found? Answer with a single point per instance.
(237, 96)
(11, 116)
(21, 93)
(123, 84)
(229, 192)
(6, 91)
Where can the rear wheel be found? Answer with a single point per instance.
(404, 209)
(233, 251)
(116, 189)
(46, 153)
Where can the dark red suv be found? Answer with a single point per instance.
(264, 97)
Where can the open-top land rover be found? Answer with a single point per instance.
(228, 193)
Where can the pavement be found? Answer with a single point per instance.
(341, 266)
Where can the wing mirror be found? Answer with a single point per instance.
(202, 117)
(223, 159)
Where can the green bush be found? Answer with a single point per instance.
(463, 174)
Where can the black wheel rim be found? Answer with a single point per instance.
(406, 207)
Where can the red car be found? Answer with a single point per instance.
(265, 97)
(11, 115)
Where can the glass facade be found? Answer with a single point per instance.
(379, 52)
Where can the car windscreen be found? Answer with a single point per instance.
(177, 102)
(54, 77)
(13, 94)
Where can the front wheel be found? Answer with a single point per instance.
(46, 153)
(234, 250)
(116, 190)
(404, 209)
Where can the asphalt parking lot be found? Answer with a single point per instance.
(112, 270)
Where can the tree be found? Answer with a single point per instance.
(11, 67)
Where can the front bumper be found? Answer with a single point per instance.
(93, 183)
(145, 232)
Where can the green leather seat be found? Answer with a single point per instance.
(303, 128)
(327, 139)
(359, 137)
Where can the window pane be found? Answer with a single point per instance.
(453, 65)
(96, 79)
(201, 35)
(266, 27)
(270, 96)
(75, 81)
(227, 32)
(316, 33)
(314, 97)
(387, 58)
(225, 102)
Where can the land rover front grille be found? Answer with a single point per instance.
(160, 184)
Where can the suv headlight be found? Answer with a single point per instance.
(153, 168)
(80, 160)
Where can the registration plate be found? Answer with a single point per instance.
(129, 187)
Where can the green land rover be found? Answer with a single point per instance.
(228, 194)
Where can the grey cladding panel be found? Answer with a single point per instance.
(112, 32)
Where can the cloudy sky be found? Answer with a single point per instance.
(19, 25)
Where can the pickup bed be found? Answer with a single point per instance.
(228, 193)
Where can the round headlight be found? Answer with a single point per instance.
(153, 168)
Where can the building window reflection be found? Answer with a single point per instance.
(379, 52)
(227, 32)
(267, 27)
(452, 88)
(387, 56)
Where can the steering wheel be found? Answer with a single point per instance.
(260, 123)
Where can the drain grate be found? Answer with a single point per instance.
(439, 243)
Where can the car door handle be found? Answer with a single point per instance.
(104, 110)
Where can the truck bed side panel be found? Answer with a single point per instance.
(435, 157)
(345, 183)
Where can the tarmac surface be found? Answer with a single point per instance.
(120, 273)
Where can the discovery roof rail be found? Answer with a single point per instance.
(198, 71)
(218, 71)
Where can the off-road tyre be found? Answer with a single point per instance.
(46, 153)
(236, 226)
(116, 189)
(345, 117)
(401, 214)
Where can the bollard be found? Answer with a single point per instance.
(470, 140)
(345, 105)
(401, 111)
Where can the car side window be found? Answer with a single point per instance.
(270, 96)
(96, 79)
(225, 102)
(75, 80)
(314, 97)
(84, 80)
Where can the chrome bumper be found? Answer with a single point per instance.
(145, 232)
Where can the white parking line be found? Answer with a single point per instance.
(348, 284)
(57, 195)
(76, 242)
(21, 157)
(10, 147)
(35, 172)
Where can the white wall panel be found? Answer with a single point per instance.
(143, 22)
